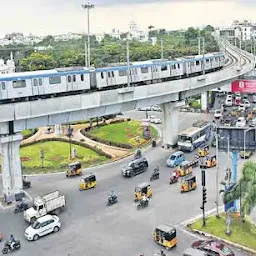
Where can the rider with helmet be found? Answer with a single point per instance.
(12, 241)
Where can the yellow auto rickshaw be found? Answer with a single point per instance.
(88, 181)
(74, 169)
(203, 151)
(188, 183)
(165, 235)
(184, 168)
(210, 161)
(143, 188)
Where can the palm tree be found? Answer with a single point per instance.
(245, 189)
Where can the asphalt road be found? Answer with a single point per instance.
(89, 227)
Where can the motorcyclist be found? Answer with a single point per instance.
(12, 241)
(144, 199)
(113, 195)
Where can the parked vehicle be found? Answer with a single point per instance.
(25, 182)
(42, 226)
(213, 247)
(252, 122)
(165, 235)
(8, 247)
(247, 104)
(51, 203)
(228, 102)
(87, 181)
(156, 108)
(74, 169)
(218, 113)
(142, 189)
(175, 159)
(241, 122)
(241, 108)
(245, 154)
(135, 167)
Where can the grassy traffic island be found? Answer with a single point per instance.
(56, 157)
(242, 233)
(126, 134)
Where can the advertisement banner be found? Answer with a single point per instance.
(247, 86)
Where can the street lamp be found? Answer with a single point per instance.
(245, 131)
(88, 6)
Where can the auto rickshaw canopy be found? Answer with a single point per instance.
(168, 231)
(75, 165)
(190, 178)
(88, 178)
(142, 186)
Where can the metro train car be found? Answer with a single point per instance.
(74, 80)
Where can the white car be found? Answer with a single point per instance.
(42, 226)
(254, 98)
(155, 120)
(241, 107)
(238, 96)
(156, 108)
(228, 102)
(218, 113)
(247, 104)
(241, 122)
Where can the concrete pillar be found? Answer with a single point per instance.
(170, 124)
(57, 129)
(204, 101)
(11, 164)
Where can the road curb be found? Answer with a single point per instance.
(202, 233)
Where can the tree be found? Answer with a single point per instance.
(209, 28)
(245, 188)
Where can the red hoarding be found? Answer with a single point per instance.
(244, 86)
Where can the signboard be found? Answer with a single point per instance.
(231, 204)
(248, 86)
(145, 122)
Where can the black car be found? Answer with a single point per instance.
(136, 166)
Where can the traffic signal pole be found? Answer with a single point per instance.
(204, 197)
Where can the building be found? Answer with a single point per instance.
(136, 33)
(67, 37)
(8, 67)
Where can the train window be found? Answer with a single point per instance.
(192, 64)
(174, 66)
(55, 80)
(102, 75)
(109, 75)
(69, 79)
(112, 72)
(144, 70)
(82, 77)
(217, 59)
(178, 65)
(135, 71)
(74, 78)
(3, 85)
(207, 60)
(19, 84)
(197, 62)
(163, 67)
(35, 83)
(122, 72)
(40, 81)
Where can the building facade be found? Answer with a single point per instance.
(8, 67)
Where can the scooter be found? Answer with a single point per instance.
(25, 183)
(7, 247)
(174, 179)
(112, 200)
(142, 204)
(21, 207)
(154, 176)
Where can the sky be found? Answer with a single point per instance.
(44, 17)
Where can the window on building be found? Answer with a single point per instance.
(35, 82)
(40, 81)
(19, 84)
(3, 85)
(82, 77)
(55, 80)
(74, 78)
(122, 72)
(102, 75)
(144, 70)
(163, 67)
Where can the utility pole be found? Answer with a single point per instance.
(88, 6)
(199, 45)
(85, 55)
(128, 61)
(162, 49)
(240, 46)
(217, 176)
(204, 196)
(203, 58)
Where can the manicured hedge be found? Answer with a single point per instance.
(82, 144)
(33, 131)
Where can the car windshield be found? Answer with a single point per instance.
(225, 250)
(130, 164)
(35, 225)
(172, 157)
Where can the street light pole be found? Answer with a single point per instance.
(217, 176)
(245, 131)
(203, 58)
(88, 6)
(162, 49)
(128, 61)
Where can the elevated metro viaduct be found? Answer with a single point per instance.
(15, 117)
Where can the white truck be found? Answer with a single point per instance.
(51, 203)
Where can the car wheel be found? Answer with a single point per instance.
(36, 237)
(56, 229)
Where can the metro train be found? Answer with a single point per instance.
(33, 85)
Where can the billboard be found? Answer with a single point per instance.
(248, 86)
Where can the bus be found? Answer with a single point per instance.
(194, 136)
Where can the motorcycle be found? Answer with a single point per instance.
(112, 199)
(7, 247)
(21, 207)
(142, 204)
(25, 183)
(155, 175)
(174, 179)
